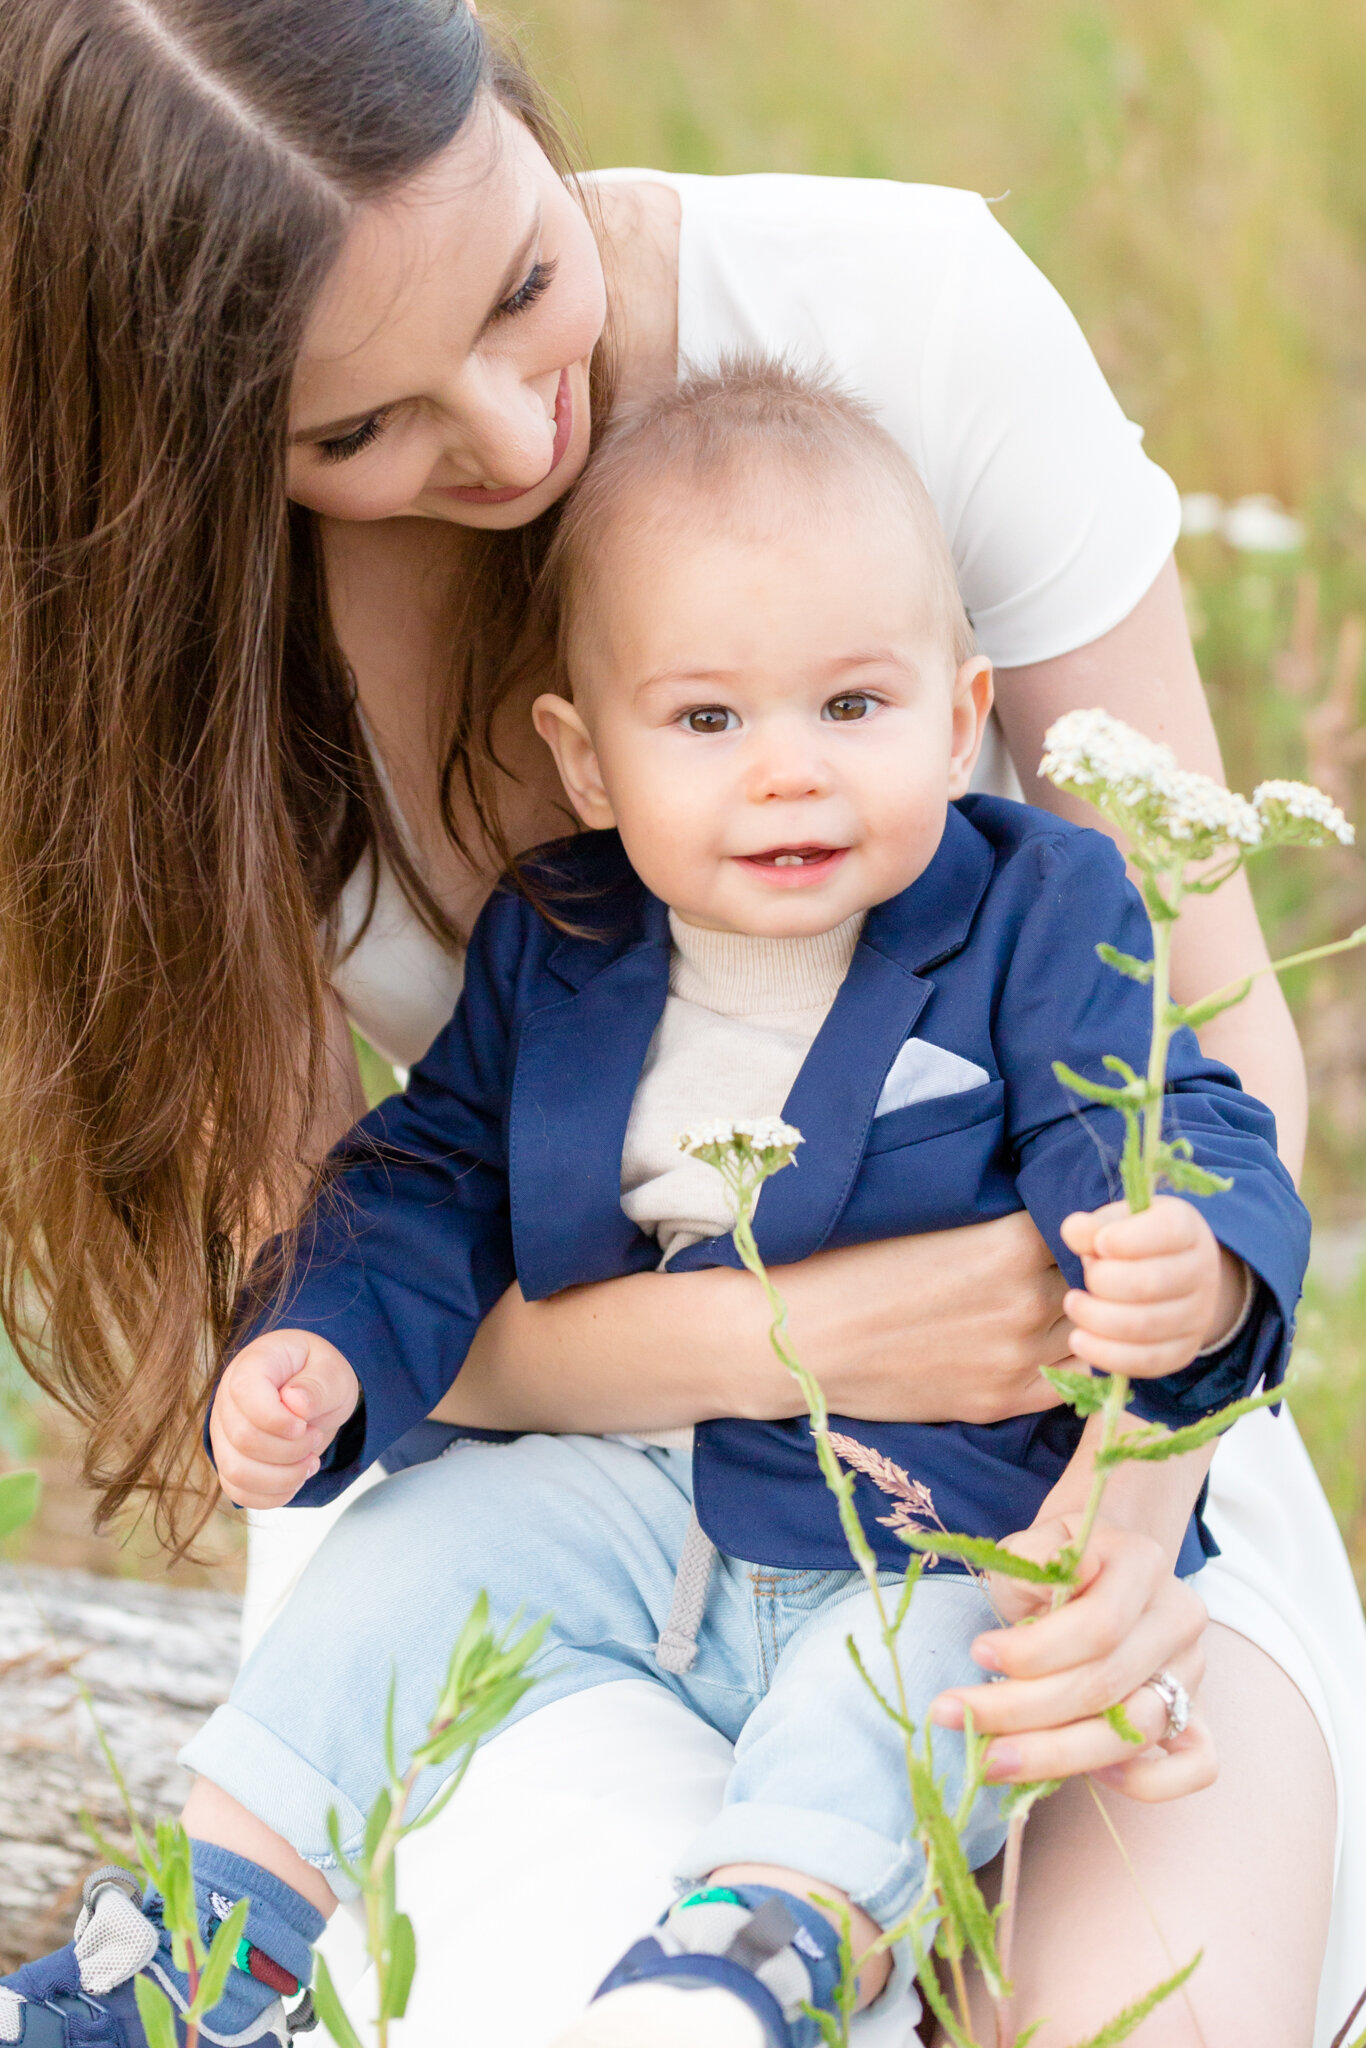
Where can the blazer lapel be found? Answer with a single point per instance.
(833, 1100)
(578, 1063)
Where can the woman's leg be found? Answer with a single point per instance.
(1242, 1871)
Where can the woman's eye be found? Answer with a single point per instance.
(536, 283)
(350, 444)
(852, 705)
(711, 718)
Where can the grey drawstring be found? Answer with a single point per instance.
(676, 1649)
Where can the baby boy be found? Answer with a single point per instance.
(785, 903)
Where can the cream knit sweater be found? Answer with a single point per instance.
(740, 1018)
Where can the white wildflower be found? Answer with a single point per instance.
(1135, 781)
(1297, 814)
(755, 1136)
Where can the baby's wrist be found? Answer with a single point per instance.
(1233, 1302)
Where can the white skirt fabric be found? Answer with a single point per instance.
(593, 1797)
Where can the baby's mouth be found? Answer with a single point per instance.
(795, 860)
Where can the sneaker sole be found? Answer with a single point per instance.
(665, 2016)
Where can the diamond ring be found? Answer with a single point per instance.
(1176, 1700)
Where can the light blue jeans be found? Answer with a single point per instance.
(591, 1531)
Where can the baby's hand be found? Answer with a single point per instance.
(1159, 1287)
(279, 1404)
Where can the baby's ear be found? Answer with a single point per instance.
(973, 695)
(570, 741)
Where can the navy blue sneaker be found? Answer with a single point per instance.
(734, 1967)
(83, 1995)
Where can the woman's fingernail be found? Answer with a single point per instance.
(947, 1713)
(984, 1653)
(1003, 1760)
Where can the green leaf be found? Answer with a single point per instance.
(1028, 1797)
(1152, 1446)
(402, 1962)
(927, 1977)
(1133, 2016)
(1083, 1391)
(107, 1851)
(1124, 1727)
(222, 1954)
(1090, 1091)
(1176, 1165)
(328, 2007)
(156, 2013)
(19, 1493)
(1125, 963)
(1196, 1014)
(964, 1907)
(914, 1574)
(986, 1556)
(334, 1837)
(376, 1822)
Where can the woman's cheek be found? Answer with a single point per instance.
(377, 488)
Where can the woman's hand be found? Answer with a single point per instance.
(951, 1326)
(1129, 1620)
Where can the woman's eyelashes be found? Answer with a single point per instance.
(346, 445)
(534, 285)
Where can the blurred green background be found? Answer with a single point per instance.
(1192, 176)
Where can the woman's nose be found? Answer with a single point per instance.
(504, 429)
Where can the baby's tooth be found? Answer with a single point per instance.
(787, 860)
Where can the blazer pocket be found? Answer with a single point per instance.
(936, 1118)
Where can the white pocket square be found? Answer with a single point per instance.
(922, 1071)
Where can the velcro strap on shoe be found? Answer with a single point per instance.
(115, 1941)
(645, 1961)
(768, 1929)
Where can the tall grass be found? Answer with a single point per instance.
(1190, 173)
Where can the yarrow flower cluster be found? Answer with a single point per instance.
(1297, 814)
(758, 1144)
(1136, 782)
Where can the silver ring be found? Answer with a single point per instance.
(1176, 1700)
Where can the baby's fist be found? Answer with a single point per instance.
(279, 1404)
(1160, 1288)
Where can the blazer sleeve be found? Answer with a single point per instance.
(409, 1244)
(1058, 1000)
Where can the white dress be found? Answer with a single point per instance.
(1058, 524)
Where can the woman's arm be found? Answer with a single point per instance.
(1144, 671)
(952, 1326)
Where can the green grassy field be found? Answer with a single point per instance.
(1192, 175)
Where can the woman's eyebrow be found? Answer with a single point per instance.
(511, 278)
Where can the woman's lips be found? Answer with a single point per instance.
(794, 867)
(564, 427)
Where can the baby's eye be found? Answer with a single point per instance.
(853, 704)
(711, 718)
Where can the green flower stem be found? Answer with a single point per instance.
(744, 1188)
(1232, 991)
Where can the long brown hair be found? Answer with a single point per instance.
(184, 788)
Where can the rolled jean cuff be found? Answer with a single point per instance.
(254, 1767)
(881, 1876)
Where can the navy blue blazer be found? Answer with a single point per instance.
(503, 1159)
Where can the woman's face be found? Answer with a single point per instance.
(444, 373)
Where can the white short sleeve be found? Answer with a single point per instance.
(1058, 520)
(919, 300)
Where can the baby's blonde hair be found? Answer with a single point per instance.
(732, 426)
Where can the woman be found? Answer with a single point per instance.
(302, 339)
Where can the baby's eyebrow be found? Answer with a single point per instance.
(683, 672)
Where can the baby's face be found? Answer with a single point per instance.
(769, 715)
